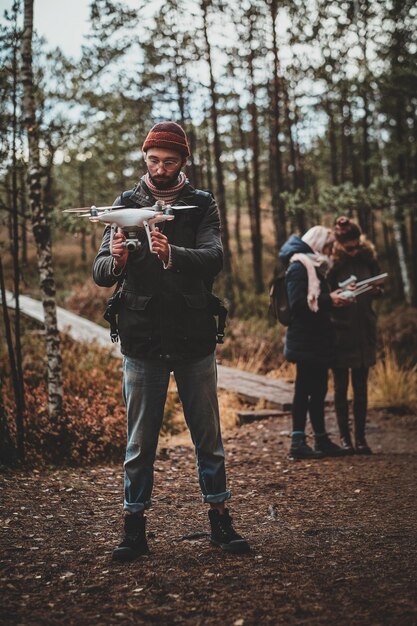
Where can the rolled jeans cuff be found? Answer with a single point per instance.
(216, 497)
(136, 507)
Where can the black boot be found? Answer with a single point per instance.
(346, 444)
(325, 445)
(224, 535)
(361, 446)
(134, 541)
(301, 450)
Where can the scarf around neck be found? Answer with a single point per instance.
(313, 262)
(166, 195)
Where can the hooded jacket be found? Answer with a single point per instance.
(309, 336)
(355, 326)
(165, 314)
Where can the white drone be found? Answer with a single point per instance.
(130, 220)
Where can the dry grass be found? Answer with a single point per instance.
(254, 363)
(286, 371)
(393, 385)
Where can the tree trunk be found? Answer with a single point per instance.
(7, 450)
(332, 143)
(23, 207)
(40, 226)
(366, 113)
(20, 399)
(221, 194)
(238, 203)
(20, 435)
(344, 132)
(351, 147)
(81, 200)
(397, 218)
(413, 254)
(293, 158)
(207, 159)
(277, 179)
(194, 174)
(246, 173)
(255, 213)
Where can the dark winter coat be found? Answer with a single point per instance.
(309, 337)
(165, 313)
(355, 326)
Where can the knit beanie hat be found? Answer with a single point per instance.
(167, 135)
(346, 230)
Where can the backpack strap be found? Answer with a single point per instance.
(125, 198)
(203, 198)
(112, 309)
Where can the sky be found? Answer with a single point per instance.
(62, 22)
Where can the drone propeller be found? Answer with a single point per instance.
(182, 206)
(97, 208)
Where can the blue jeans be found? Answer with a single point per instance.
(145, 385)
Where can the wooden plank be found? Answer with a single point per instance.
(78, 328)
(279, 393)
(246, 417)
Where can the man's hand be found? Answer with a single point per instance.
(118, 251)
(160, 245)
(337, 300)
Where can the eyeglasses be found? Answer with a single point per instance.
(168, 164)
(353, 247)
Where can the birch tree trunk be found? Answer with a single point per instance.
(20, 395)
(396, 220)
(40, 227)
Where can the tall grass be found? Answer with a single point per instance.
(393, 385)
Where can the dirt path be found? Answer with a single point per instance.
(333, 541)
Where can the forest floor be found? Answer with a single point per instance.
(333, 541)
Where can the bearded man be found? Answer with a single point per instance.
(166, 325)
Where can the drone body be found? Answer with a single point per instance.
(130, 220)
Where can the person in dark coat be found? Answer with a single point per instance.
(166, 324)
(355, 331)
(309, 338)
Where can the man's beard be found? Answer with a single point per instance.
(165, 182)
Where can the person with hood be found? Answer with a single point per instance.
(355, 331)
(309, 338)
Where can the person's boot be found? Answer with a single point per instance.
(134, 542)
(224, 535)
(325, 445)
(301, 450)
(343, 423)
(361, 446)
(346, 444)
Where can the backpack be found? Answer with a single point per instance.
(278, 300)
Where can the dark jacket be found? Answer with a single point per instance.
(165, 313)
(355, 326)
(309, 336)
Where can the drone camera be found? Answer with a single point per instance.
(132, 244)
